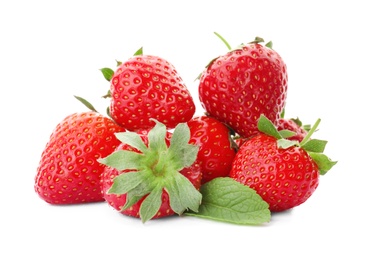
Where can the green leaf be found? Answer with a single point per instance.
(224, 199)
(133, 139)
(323, 162)
(157, 137)
(139, 52)
(267, 127)
(127, 181)
(86, 103)
(287, 133)
(269, 45)
(180, 151)
(315, 145)
(284, 143)
(151, 204)
(123, 159)
(156, 168)
(183, 195)
(107, 73)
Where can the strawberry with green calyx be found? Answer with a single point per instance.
(153, 170)
(145, 87)
(285, 173)
(239, 86)
(294, 125)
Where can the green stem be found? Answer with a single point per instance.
(223, 40)
(310, 133)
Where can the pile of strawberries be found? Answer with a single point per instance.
(151, 156)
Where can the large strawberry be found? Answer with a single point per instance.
(284, 173)
(68, 170)
(145, 87)
(153, 173)
(239, 86)
(216, 148)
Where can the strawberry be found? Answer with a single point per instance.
(239, 86)
(216, 149)
(68, 171)
(295, 126)
(145, 87)
(284, 173)
(153, 173)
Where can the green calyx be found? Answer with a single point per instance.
(314, 147)
(155, 168)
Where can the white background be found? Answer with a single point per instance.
(52, 50)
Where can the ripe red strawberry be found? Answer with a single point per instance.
(294, 125)
(145, 87)
(284, 173)
(239, 86)
(153, 174)
(68, 170)
(216, 149)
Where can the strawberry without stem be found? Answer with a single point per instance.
(216, 149)
(145, 87)
(153, 174)
(239, 86)
(68, 170)
(284, 173)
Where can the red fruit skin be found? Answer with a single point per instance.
(216, 150)
(147, 87)
(239, 86)
(284, 178)
(192, 173)
(288, 124)
(68, 171)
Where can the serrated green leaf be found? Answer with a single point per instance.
(267, 127)
(125, 182)
(180, 137)
(315, 145)
(151, 204)
(123, 159)
(157, 167)
(323, 162)
(180, 151)
(224, 199)
(183, 195)
(133, 139)
(157, 137)
(107, 73)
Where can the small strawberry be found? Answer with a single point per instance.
(239, 86)
(153, 173)
(284, 173)
(68, 170)
(145, 87)
(295, 126)
(216, 149)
